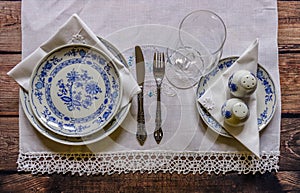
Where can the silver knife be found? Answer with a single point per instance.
(141, 133)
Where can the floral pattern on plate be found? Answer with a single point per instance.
(75, 90)
(97, 136)
(266, 100)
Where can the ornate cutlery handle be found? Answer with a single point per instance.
(141, 133)
(158, 133)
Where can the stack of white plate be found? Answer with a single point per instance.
(75, 95)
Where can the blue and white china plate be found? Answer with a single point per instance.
(266, 96)
(97, 136)
(75, 90)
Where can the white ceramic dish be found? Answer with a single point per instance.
(266, 96)
(110, 128)
(75, 90)
(95, 137)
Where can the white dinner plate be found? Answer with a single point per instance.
(266, 96)
(75, 90)
(99, 135)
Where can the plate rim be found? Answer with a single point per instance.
(64, 139)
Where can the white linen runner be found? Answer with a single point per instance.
(188, 145)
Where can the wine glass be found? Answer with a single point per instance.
(202, 34)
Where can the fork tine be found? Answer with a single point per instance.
(154, 59)
(158, 64)
(160, 60)
(163, 60)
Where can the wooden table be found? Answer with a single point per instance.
(287, 179)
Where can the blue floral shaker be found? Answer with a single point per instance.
(242, 83)
(235, 112)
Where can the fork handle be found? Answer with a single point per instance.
(158, 109)
(158, 92)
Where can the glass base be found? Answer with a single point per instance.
(184, 68)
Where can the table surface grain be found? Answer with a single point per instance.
(287, 179)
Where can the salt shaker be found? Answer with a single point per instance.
(235, 112)
(242, 83)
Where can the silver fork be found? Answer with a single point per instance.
(158, 72)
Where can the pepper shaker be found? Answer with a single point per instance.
(235, 112)
(242, 83)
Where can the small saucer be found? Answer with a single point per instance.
(266, 96)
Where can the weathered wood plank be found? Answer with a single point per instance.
(289, 68)
(288, 20)
(289, 72)
(289, 181)
(9, 143)
(9, 96)
(282, 181)
(289, 159)
(10, 26)
(289, 40)
(288, 26)
(290, 144)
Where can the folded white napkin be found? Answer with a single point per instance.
(218, 93)
(74, 30)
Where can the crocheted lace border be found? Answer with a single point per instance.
(146, 161)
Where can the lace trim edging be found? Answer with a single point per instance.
(150, 162)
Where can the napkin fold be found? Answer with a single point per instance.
(218, 93)
(73, 31)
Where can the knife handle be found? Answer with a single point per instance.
(141, 133)
(140, 116)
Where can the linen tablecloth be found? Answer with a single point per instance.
(188, 145)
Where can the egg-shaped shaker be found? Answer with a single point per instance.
(242, 83)
(235, 112)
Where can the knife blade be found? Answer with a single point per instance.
(141, 133)
(140, 66)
